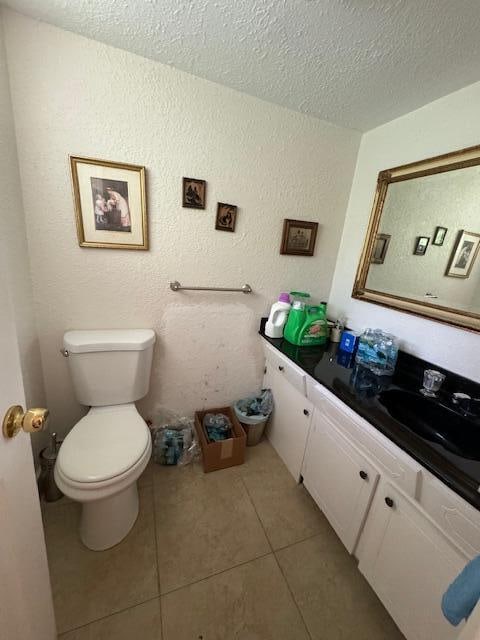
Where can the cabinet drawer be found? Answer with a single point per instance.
(398, 465)
(293, 374)
(458, 519)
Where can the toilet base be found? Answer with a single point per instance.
(105, 523)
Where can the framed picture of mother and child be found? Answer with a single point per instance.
(110, 204)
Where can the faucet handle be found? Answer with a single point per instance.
(460, 398)
(463, 401)
(432, 381)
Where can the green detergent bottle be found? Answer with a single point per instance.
(296, 320)
(306, 325)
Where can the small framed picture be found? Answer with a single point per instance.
(194, 193)
(463, 255)
(226, 217)
(298, 238)
(439, 236)
(110, 204)
(421, 245)
(380, 247)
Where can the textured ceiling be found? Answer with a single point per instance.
(357, 63)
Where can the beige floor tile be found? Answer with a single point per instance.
(173, 484)
(46, 507)
(142, 621)
(286, 510)
(250, 602)
(89, 585)
(206, 523)
(261, 457)
(336, 601)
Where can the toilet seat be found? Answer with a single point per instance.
(109, 507)
(103, 447)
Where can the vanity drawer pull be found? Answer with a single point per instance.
(280, 368)
(363, 475)
(306, 412)
(389, 502)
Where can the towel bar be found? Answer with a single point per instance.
(176, 286)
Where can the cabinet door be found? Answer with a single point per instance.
(290, 421)
(340, 480)
(409, 563)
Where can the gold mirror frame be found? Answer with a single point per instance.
(448, 162)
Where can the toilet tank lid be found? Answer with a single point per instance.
(90, 340)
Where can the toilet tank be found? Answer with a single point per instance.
(109, 366)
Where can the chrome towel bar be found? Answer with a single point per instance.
(176, 286)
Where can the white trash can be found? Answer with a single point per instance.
(254, 426)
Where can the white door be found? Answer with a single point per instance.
(409, 563)
(26, 610)
(289, 423)
(340, 480)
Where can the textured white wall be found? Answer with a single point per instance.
(12, 225)
(445, 125)
(73, 95)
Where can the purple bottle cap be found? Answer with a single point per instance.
(284, 297)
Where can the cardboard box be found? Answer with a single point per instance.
(226, 453)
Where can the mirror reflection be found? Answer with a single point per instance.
(426, 247)
(422, 248)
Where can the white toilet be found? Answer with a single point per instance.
(102, 457)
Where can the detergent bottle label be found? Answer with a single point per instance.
(317, 329)
(316, 333)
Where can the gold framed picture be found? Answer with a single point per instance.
(463, 255)
(421, 244)
(298, 238)
(226, 217)
(110, 204)
(194, 193)
(380, 247)
(439, 236)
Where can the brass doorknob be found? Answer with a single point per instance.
(30, 421)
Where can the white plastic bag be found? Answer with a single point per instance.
(173, 438)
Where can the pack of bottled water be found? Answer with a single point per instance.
(173, 438)
(378, 351)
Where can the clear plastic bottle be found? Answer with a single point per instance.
(365, 346)
(392, 352)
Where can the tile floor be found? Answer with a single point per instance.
(240, 554)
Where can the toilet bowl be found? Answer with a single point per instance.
(98, 465)
(104, 454)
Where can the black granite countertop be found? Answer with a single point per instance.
(358, 388)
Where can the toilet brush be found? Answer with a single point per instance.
(48, 457)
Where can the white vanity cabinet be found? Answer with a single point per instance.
(409, 562)
(411, 534)
(289, 423)
(339, 478)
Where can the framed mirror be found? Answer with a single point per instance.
(421, 254)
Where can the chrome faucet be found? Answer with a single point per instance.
(465, 403)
